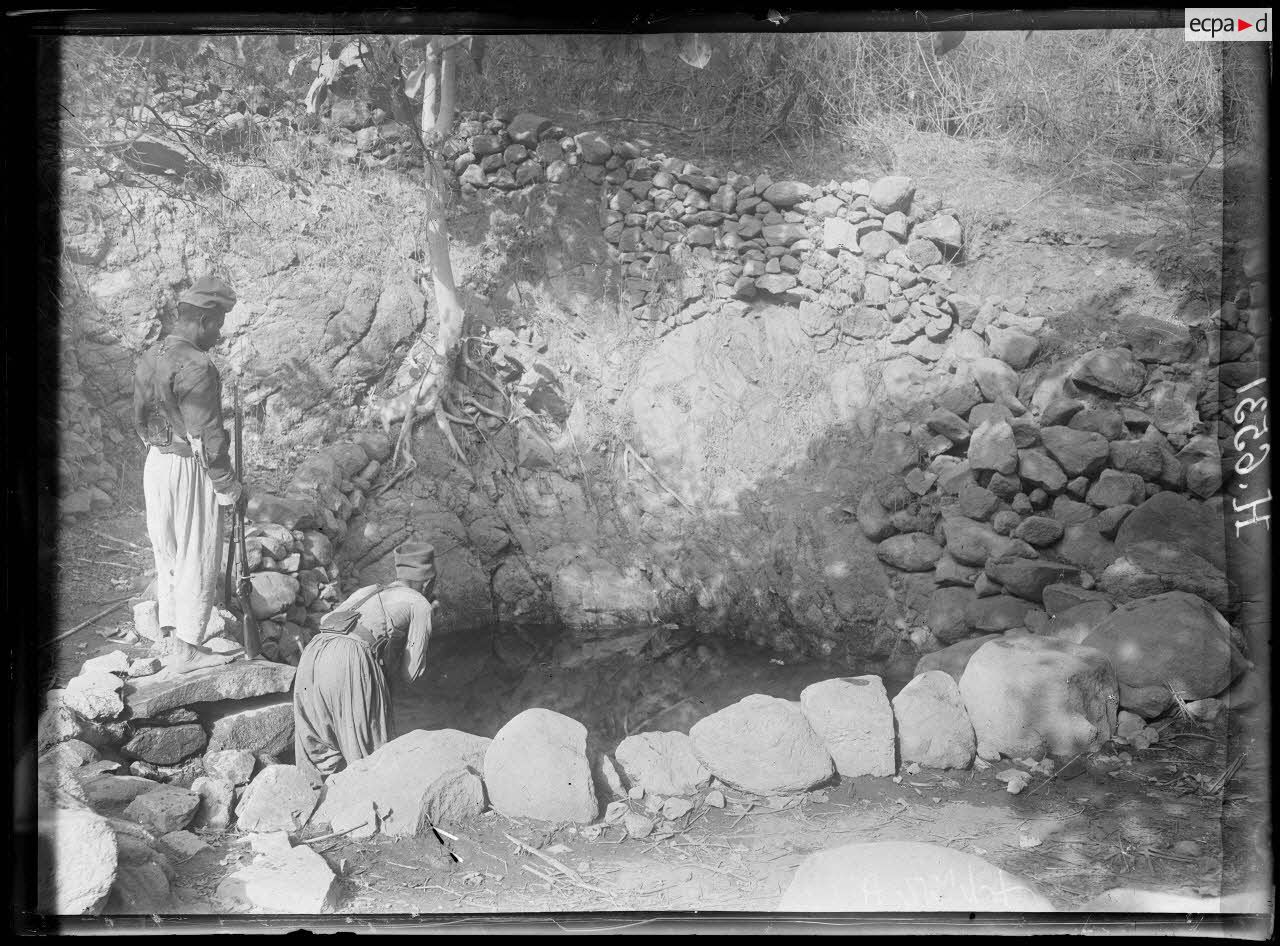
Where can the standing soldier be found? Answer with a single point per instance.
(188, 479)
(341, 698)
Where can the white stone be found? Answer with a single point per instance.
(663, 763)
(95, 695)
(297, 882)
(280, 798)
(762, 744)
(115, 662)
(217, 799)
(76, 861)
(933, 725)
(235, 765)
(537, 767)
(1029, 695)
(853, 718)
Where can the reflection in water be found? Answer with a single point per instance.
(616, 682)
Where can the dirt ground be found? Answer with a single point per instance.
(1188, 814)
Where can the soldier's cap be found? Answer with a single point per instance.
(208, 291)
(416, 561)
(339, 622)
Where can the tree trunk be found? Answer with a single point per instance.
(430, 93)
(433, 389)
(448, 90)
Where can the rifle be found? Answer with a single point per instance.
(244, 586)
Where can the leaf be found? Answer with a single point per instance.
(693, 49)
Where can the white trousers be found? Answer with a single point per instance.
(185, 525)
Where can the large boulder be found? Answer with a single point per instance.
(853, 718)
(238, 680)
(76, 861)
(1083, 544)
(662, 763)
(906, 876)
(280, 798)
(296, 881)
(954, 658)
(933, 725)
(1027, 695)
(762, 744)
(420, 779)
(1150, 568)
(537, 767)
(1171, 643)
(1174, 519)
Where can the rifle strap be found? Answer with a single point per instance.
(350, 606)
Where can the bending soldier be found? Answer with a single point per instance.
(341, 698)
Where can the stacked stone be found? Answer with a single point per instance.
(190, 744)
(291, 540)
(507, 151)
(1021, 505)
(857, 256)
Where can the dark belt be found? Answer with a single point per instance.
(178, 448)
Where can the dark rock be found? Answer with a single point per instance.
(1172, 643)
(166, 745)
(1080, 453)
(1111, 370)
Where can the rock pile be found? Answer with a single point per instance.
(291, 540)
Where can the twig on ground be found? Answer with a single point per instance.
(1056, 773)
(113, 538)
(335, 834)
(83, 624)
(741, 816)
(95, 561)
(568, 872)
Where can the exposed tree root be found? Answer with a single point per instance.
(630, 450)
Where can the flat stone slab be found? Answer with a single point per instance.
(238, 680)
(297, 882)
(906, 876)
